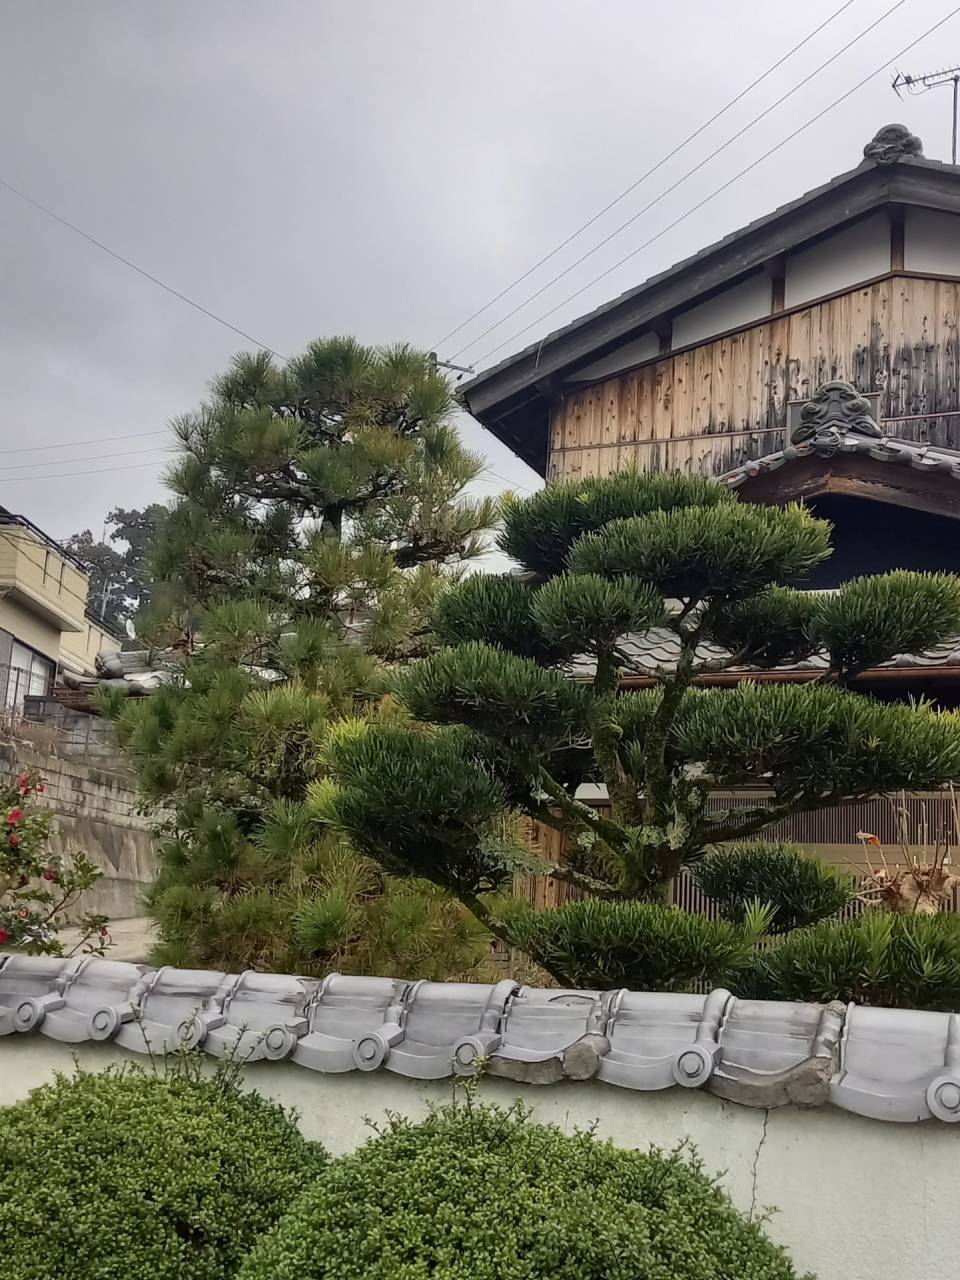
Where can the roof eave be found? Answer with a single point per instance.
(862, 190)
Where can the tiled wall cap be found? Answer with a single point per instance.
(889, 1064)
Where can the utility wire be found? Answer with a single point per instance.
(644, 176)
(64, 222)
(90, 457)
(68, 475)
(723, 187)
(679, 182)
(73, 444)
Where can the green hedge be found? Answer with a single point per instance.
(478, 1193)
(123, 1176)
(901, 962)
(801, 889)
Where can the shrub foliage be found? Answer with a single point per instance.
(479, 1193)
(126, 1176)
(800, 889)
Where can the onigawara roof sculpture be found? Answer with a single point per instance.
(888, 1064)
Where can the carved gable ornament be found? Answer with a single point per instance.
(836, 408)
(892, 143)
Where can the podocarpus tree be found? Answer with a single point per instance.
(320, 514)
(602, 563)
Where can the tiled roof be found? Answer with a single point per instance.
(921, 457)
(660, 647)
(889, 1064)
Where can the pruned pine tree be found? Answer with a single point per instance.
(507, 723)
(319, 516)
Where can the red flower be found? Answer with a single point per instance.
(49, 873)
(14, 839)
(104, 932)
(15, 815)
(39, 788)
(23, 782)
(4, 935)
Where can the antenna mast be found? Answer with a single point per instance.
(932, 80)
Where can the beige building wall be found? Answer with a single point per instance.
(28, 628)
(42, 592)
(78, 649)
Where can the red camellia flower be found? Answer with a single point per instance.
(49, 873)
(14, 839)
(15, 815)
(23, 782)
(39, 788)
(4, 935)
(104, 932)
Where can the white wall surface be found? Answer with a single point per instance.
(932, 242)
(749, 300)
(855, 1199)
(643, 348)
(856, 253)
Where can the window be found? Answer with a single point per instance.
(29, 675)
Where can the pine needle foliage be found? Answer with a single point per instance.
(532, 675)
(801, 889)
(319, 519)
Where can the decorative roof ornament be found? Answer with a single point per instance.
(892, 143)
(836, 408)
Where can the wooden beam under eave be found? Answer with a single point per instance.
(897, 217)
(857, 476)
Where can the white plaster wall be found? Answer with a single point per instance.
(932, 242)
(643, 348)
(855, 1199)
(856, 253)
(749, 300)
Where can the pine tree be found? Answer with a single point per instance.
(319, 516)
(503, 725)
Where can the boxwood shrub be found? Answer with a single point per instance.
(126, 1176)
(477, 1192)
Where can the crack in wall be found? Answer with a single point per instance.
(756, 1160)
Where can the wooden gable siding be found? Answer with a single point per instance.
(713, 406)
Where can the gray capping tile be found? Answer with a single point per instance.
(346, 1009)
(777, 1052)
(899, 1064)
(29, 986)
(660, 1039)
(166, 1009)
(550, 1035)
(84, 991)
(436, 1018)
(262, 1016)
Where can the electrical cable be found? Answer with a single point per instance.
(644, 176)
(679, 182)
(723, 187)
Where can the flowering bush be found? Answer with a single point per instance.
(37, 887)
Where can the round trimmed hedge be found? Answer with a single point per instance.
(479, 1193)
(124, 1176)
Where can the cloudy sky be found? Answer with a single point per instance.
(311, 167)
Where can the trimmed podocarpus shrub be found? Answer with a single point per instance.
(476, 1192)
(904, 962)
(800, 889)
(126, 1176)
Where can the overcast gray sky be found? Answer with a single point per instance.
(306, 167)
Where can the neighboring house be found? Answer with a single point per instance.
(44, 623)
(723, 364)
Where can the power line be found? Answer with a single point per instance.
(73, 444)
(90, 457)
(68, 475)
(147, 275)
(723, 187)
(682, 179)
(644, 176)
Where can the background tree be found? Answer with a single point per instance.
(120, 571)
(504, 725)
(319, 516)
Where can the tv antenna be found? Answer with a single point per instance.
(933, 80)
